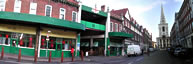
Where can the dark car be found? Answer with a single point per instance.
(186, 53)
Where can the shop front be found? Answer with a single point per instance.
(19, 31)
(116, 43)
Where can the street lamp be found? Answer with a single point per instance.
(47, 39)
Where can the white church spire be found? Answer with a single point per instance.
(162, 15)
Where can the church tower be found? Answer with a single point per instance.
(163, 39)
(163, 26)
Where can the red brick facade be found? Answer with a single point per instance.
(25, 6)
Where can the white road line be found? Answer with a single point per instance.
(15, 62)
(130, 63)
(139, 59)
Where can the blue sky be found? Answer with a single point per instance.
(145, 12)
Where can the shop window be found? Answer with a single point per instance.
(57, 43)
(17, 6)
(33, 7)
(62, 13)
(74, 16)
(2, 5)
(48, 10)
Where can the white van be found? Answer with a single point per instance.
(133, 50)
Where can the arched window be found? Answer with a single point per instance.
(163, 29)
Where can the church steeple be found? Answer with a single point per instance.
(162, 15)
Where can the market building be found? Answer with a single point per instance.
(40, 25)
(93, 38)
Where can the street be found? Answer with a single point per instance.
(157, 57)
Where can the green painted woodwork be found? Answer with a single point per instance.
(120, 34)
(41, 19)
(108, 43)
(30, 51)
(78, 42)
(89, 9)
(93, 25)
(55, 53)
(15, 50)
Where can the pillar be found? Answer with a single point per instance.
(38, 39)
(91, 45)
(77, 51)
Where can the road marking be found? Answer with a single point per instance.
(15, 62)
(139, 59)
(130, 63)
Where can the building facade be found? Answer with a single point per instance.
(182, 27)
(163, 40)
(59, 25)
(39, 25)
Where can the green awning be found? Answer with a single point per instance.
(89, 9)
(120, 34)
(41, 20)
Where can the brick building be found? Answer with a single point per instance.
(40, 25)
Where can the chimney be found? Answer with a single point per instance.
(103, 8)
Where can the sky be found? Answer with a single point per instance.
(146, 12)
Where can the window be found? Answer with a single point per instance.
(163, 29)
(116, 27)
(48, 10)
(74, 16)
(17, 6)
(33, 7)
(2, 5)
(120, 27)
(111, 26)
(62, 13)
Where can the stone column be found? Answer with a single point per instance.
(91, 45)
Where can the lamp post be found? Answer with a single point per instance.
(47, 39)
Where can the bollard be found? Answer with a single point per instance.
(62, 57)
(72, 57)
(35, 56)
(2, 53)
(19, 55)
(50, 57)
(82, 55)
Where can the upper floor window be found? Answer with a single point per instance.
(62, 13)
(48, 10)
(111, 27)
(74, 16)
(33, 7)
(2, 5)
(120, 27)
(17, 6)
(116, 27)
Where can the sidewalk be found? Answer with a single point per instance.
(41, 59)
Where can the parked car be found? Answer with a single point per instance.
(133, 50)
(177, 51)
(186, 53)
(151, 49)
